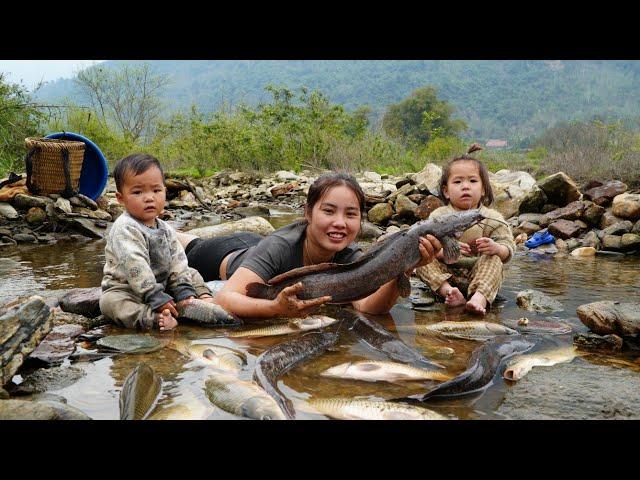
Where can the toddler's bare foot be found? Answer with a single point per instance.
(454, 298)
(166, 321)
(477, 304)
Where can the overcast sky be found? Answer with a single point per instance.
(30, 72)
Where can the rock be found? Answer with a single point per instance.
(57, 345)
(130, 343)
(369, 231)
(252, 211)
(82, 301)
(581, 224)
(5, 232)
(603, 195)
(526, 227)
(584, 252)
(578, 390)
(241, 177)
(25, 202)
(85, 226)
(89, 203)
(22, 328)
(618, 228)
(572, 244)
(421, 298)
(636, 227)
(45, 379)
(627, 205)
(548, 249)
(416, 197)
(380, 213)
(96, 214)
(36, 215)
(257, 225)
(560, 189)
(428, 205)
(372, 177)
(630, 241)
(533, 201)
(592, 214)
(64, 205)
(285, 176)
(8, 211)
(536, 301)
(405, 190)
(592, 341)
(509, 189)
(611, 242)
(25, 238)
(520, 239)
(548, 207)
(609, 219)
(44, 410)
(573, 211)
(428, 176)
(405, 208)
(4, 395)
(530, 217)
(561, 245)
(281, 189)
(607, 317)
(564, 229)
(591, 240)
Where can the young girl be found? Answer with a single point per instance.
(464, 185)
(332, 216)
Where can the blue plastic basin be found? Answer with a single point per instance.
(95, 171)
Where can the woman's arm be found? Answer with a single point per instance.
(233, 298)
(383, 299)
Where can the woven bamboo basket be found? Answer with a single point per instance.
(53, 166)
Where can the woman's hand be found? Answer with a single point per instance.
(289, 305)
(428, 247)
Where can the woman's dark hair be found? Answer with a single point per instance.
(329, 180)
(487, 198)
(134, 164)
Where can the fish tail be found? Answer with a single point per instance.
(260, 290)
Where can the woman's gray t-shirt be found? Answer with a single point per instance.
(280, 252)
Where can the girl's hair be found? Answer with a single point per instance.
(329, 180)
(487, 198)
(134, 164)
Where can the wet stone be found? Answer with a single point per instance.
(618, 228)
(82, 301)
(564, 229)
(45, 379)
(25, 202)
(593, 341)
(604, 194)
(630, 241)
(24, 238)
(41, 410)
(605, 317)
(130, 343)
(7, 211)
(591, 240)
(534, 300)
(611, 242)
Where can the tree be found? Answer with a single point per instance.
(421, 117)
(19, 118)
(127, 97)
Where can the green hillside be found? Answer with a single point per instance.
(497, 99)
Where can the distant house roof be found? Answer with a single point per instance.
(496, 143)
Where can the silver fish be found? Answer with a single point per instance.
(206, 313)
(242, 398)
(474, 330)
(140, 393)
(217, 356)
(349, 409)
(518, 367)
(374, 371)
(294, 325)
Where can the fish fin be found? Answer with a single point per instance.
(450, 249)
(404, 286)
(260, 290)
(135, 403)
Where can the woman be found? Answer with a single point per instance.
(332, 217)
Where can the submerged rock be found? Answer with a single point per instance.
(130, 343)
(40, 410)
(606, 317)
(45, 379)
(592, 341)
(22, 328)
(536, 301)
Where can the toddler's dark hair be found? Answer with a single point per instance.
(487, 198)
(134, 164)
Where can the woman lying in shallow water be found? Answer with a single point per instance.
(332, 218)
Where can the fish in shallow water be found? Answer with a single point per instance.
(294, 325)
(206, 313)
(473, 330)
(374, 371)
(281, 358)
(525, 325)
(242, 398)
(517, 367)
(378, 338)
(482, 367)
(216, 356)
(385, 261)
(350, 409)
(140, 393)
